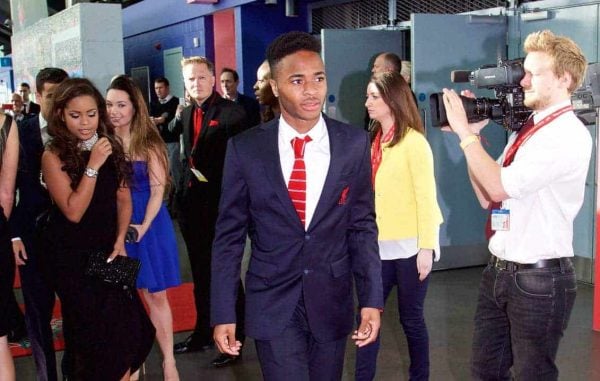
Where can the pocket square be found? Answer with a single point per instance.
(213, 123)
(343, 196)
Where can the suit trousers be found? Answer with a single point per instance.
(39, 300)
(295, 355)
(197, 222)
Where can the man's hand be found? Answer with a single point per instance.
(370, 322)
(19, 252)
(224, 337)
(457, 116)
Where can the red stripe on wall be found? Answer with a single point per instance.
(224, 35)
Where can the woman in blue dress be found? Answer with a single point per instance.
(156, 246)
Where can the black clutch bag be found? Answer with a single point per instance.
(122, 272)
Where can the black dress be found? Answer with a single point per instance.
(7, 275)
(106, 329)
(7, 260)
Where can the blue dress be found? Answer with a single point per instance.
(157, 250)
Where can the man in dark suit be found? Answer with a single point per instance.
(33, 198)
(206, 125)
(230, 81)
(30, 106)
(162, 112)
(309, 211)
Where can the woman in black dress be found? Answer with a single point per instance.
(107, 332)
(9, 157)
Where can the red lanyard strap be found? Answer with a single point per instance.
(528, 131)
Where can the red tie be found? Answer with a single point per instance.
(198, 114)
(297, 184)
(528, 125)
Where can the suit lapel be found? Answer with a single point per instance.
(269, 156)
(336, 156)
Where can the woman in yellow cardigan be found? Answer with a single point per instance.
(408, 215)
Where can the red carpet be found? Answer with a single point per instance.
(182, 305)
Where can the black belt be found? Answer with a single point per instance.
(502, 264)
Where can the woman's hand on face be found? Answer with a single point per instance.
(100, 152)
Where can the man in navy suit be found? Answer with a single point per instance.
(309, 242)
(33, 198)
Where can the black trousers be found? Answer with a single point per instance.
(39, 298)
(197, 221)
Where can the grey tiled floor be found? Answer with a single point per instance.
(450, 306)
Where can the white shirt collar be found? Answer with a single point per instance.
(539, 115)
(165, 99)
(43, 122)
(317, 133)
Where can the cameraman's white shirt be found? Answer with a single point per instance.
(545, 183)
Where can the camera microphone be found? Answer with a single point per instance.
(459, 76)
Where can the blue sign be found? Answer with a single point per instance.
(5, 62)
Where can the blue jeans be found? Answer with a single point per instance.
(411, 298)
(521, 316)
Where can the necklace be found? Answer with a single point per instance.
(86, 145)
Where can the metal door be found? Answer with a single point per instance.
(440, 44)
(348, 57)
(172, 67)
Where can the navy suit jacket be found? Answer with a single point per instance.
(251, 107)
(33, 198)
(339, 245)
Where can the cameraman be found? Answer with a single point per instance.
(534, 192)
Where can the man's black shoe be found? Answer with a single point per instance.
(224, 359)
(192, 345)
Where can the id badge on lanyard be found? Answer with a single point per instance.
(500, 219)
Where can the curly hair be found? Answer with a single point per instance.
(396, 94)
(144, 135)
(66, 145)
(290, 43)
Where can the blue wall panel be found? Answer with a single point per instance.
(261, 24)
(140, 50)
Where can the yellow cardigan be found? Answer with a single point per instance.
(405, 194)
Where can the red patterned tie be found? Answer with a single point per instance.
(297, 184)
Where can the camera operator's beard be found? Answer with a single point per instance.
(535, 101)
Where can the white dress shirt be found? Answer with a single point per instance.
(545, 183)
(316, 160)
(43, 129)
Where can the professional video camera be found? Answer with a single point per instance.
(508, 109)
(586, 99)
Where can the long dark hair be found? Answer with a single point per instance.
(144, 135)
(396, 93)
(66, 145)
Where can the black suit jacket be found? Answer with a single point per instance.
(34, 108)
(222, 119)
(32, 197)
(252, 109)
